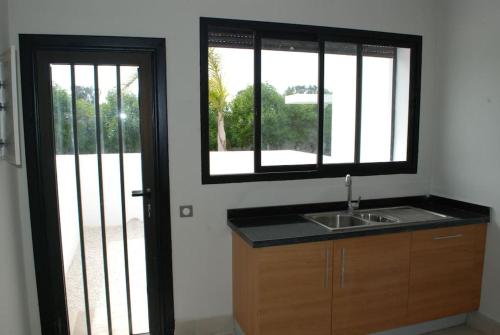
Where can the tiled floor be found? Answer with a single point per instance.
(461, 330)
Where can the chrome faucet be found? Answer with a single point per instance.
(351, 205)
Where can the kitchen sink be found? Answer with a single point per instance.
(373, 217)
(336, 220)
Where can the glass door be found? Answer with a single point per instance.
(96, 120)
(97, 152)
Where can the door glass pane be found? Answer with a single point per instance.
(129, 117)
(289, 102)
(103, 244)
(339, 103)
(90, 197)
(67, 197)
(231, 101)
(112, 198)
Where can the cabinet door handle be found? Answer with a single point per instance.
(327, 268)
(343, 255)
(447, 237)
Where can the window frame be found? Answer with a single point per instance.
(321, 35)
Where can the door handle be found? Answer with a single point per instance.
(326, 278)
(343, 255)
(142, 193)
(447, 237)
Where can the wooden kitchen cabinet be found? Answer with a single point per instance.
(446, 271)
(370, 283)
(357, 286)
(282, 289)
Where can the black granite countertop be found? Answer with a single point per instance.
(279, 225)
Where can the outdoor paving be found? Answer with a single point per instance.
(117, 286)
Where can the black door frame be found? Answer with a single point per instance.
(51, 298)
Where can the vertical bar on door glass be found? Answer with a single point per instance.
(343, 253)
(101, 196)
(133, 180)
(122, 186)
(79, 197)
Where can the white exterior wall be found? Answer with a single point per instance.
(68, 201)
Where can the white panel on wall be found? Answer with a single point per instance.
(9, 117)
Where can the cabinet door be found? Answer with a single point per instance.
(293, 289)
(446, 271)
(370, 290)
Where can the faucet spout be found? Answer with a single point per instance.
(351, 205)
(348, 184)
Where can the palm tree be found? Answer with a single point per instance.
(217, 95)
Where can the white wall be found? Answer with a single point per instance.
(467, 153)
(202, 245)
(12, 295)
(12, 290)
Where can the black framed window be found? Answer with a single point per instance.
(283, 101)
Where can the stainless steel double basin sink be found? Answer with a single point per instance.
(381, 216)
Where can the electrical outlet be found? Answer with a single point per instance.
(186, 211)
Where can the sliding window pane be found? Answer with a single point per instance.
(377, 104)
(339, 103)
(401, 101)
(289, 102)
(385, 103)
(231, 101)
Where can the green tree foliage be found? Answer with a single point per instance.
(327, 131)
(130, 123)
(240, 121)
(85, 117)
(86, 121)
(275, 119)
(63, 121)
(212, 129)
(292, 127)
(239, 118)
